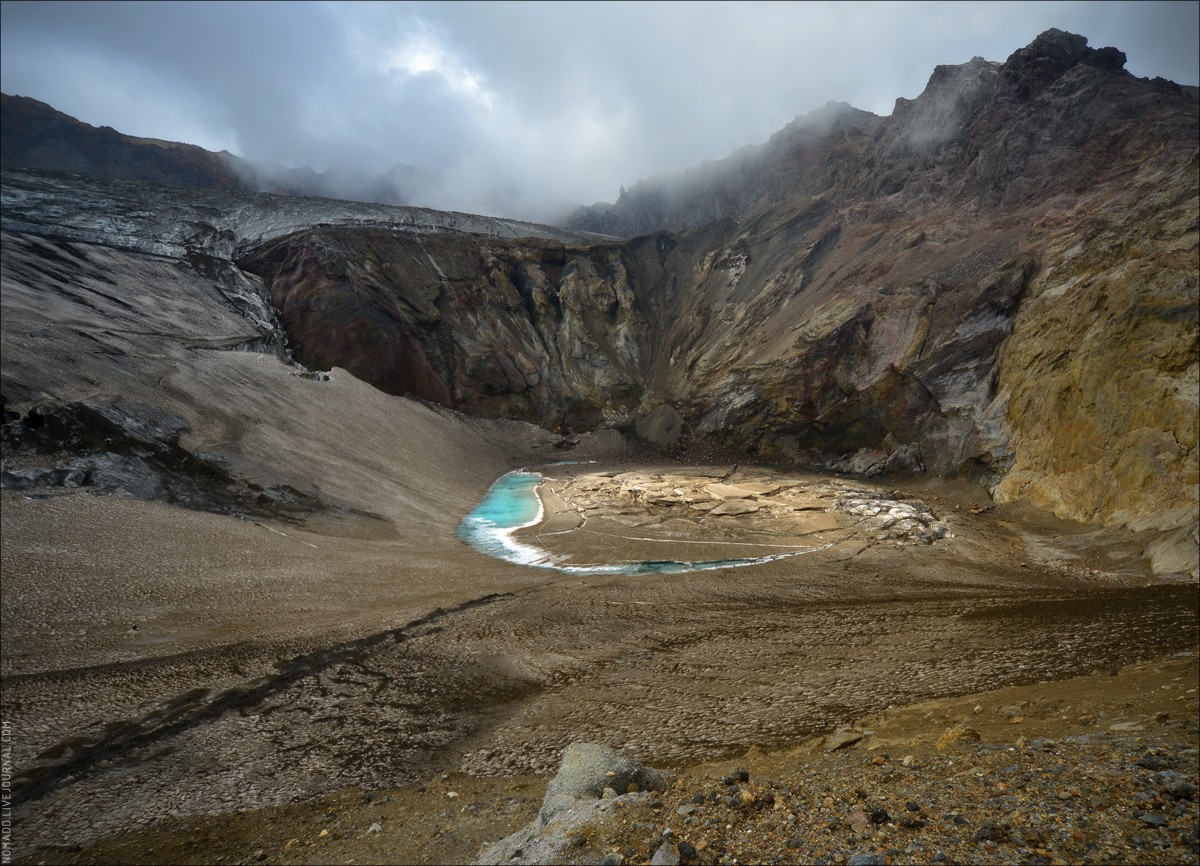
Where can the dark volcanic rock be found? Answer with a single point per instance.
(134, 450)
(547, 333)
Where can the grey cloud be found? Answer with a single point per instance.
(529, 105)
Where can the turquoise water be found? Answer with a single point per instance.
(513, 503)
(510, 504)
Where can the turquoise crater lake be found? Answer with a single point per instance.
(513, 503)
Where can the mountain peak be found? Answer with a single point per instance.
(1032, 69)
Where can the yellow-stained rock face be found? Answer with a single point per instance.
(1102, 368)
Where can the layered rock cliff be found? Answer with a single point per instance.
(908, 288)
(997, 281)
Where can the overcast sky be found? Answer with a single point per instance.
(516, 108)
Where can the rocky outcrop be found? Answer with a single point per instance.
(808, 156)
(1101, 377)
(134, 450)
(547, 333)
(1056, 116)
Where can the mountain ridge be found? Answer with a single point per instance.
(875, 304)
(755, 172)
(35, 135)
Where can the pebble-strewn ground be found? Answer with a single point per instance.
(1096, 769)
(384, 660)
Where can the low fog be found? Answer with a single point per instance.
(517, 109)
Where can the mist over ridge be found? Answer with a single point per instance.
(515, 109)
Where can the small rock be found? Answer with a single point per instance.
(842, 739)
(375, 828)
(958, 733)
(866, 860)
(1177, 786)
(260, 855)
(989, 833)
(880, 816)
(1150, 761)
(1154, 819)
(687, 851)
(666, 855)
(1125, 727)
(685, 809)
(858, 821)
(613, 859)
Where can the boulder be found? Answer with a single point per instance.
(576, 801)
(586, 770)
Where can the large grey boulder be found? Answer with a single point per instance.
(575, 802)
(586, 770)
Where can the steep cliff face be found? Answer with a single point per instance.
(519, 329)
(850, 292)
(1101, 375)
(998, 281)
